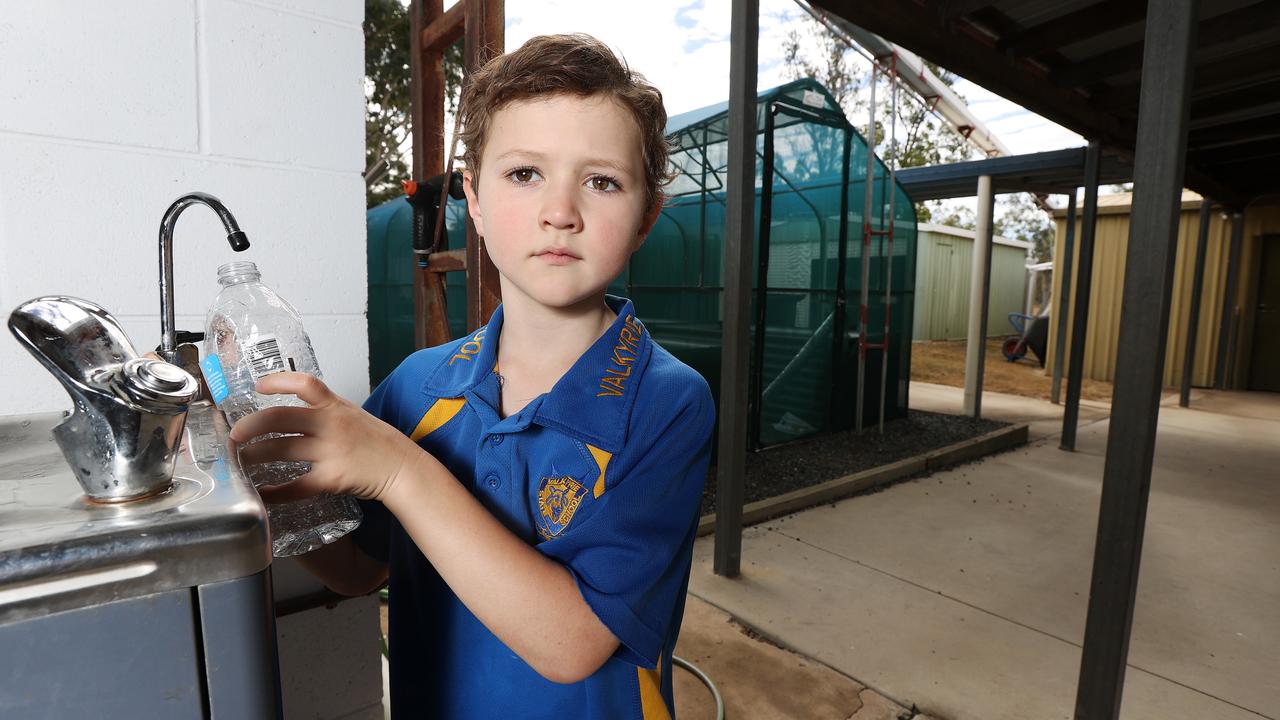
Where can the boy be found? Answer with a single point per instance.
(539, 549)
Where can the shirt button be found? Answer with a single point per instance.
(496, 438)
(492, 480)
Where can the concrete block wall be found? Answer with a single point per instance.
(108, 112)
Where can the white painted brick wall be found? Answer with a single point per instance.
(108, 112)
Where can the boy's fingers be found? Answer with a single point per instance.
(308, 387)
(292, 449)
(274, 420)
(298, 489)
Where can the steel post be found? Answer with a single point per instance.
(736, 332)
(1197, 288)
(1159, 164)
(1063, 275)
(1084, 287)
(979, 299)
(1226, 324)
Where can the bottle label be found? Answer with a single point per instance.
(264, 358)
(211, 365)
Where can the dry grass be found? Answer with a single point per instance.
(942, 362)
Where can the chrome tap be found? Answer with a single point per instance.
(235, 236)
(123, 433)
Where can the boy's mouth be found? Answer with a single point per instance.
(557, 256)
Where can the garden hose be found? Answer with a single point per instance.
(681, 662)
(678, 661)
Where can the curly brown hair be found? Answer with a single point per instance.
(573, 64)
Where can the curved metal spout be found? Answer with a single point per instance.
(235, 236)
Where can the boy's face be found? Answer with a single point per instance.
(561, 201)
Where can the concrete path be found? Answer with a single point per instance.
(965, 592)
(759, 681)
(1044, 419)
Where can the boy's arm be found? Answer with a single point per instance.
(529, 601)
(344, 568)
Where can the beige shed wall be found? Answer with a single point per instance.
(1261, 218)
(1110, 246)
(944, 269)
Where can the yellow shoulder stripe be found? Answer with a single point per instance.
(440, 412)
(652, 706)
(602, 459)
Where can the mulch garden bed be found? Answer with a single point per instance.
(804, 463)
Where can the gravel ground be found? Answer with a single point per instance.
(780, 470)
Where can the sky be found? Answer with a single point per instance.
(682, 46)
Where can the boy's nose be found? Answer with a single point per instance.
(560, 209)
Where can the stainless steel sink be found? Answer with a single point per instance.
(59, 550)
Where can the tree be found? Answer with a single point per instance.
(388, 103)
(1023, 220)
(921, 138)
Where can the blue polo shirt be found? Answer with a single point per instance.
(603, 474)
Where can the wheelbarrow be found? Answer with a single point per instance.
(1033, 333)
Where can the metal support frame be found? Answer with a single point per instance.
(885, 232)
(979, 299)
(1084, 288)
(864, 286)
(891, 191)
(1197, 288)
(1144, 327)
(756, 402)
(842, 245)
(1226, 323)
(1064, 295)
(736, 333)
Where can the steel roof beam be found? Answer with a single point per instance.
(1069, 28)
(959, 50)
(1252, 27)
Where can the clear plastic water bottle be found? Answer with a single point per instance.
(250, 333)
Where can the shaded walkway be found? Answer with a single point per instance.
(965, 593)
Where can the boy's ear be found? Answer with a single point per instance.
(650, 219)
(473, 202)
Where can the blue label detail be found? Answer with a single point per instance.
(214, 378)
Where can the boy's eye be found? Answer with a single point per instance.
(523, 175)
(604, 183)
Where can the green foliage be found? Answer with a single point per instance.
(956, 216)
(388, 97)
(1023, 220)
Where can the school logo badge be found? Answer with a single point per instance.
(558, 500)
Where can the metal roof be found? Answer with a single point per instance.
(1052, 172)
(1078, 63)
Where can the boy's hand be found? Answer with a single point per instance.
(350, 451)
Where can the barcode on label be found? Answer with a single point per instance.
(264, 358)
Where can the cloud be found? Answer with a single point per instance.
(682, 46)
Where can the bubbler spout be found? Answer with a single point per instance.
(235, 236)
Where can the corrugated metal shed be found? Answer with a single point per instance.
(943, 266)
(1108, 284)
